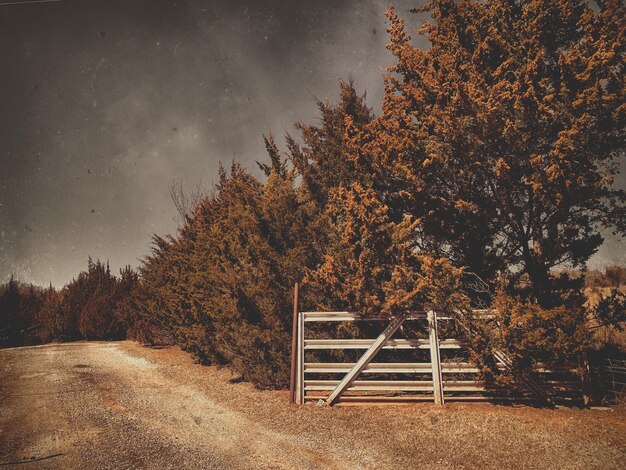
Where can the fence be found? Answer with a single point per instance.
(615, 379)
(439, 379)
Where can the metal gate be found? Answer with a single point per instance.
(436, 379)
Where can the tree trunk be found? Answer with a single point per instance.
(538, 274)
(540, 281)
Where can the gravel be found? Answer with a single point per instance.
(119, 405)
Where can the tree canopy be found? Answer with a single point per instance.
(503, 137)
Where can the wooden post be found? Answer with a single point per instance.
(435, 358)
(294, 345)
(586, 379)
(366, 358)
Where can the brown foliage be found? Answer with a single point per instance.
(502, 137)
(91, 306)
(531, 334)
(372, 265)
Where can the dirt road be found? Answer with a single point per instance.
(119, 405)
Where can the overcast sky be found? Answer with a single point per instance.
(104, 103)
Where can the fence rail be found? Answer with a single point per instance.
(390, 367)
(311, 344)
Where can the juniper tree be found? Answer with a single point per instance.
(372, 265)
(503, 136)
(322, 157)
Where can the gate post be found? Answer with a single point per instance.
(300, 365)
(435, 358)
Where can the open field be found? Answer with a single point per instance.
(120, 405)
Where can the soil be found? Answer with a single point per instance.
(119, 405)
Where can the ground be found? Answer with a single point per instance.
(121, 405)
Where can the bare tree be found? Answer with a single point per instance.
(185, 201)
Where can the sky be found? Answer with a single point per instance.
(103, 104)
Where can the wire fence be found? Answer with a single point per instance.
(614, 373)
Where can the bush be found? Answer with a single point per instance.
(531, 334)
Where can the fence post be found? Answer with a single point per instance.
(294, 345)
(586, 382)
(435, 358)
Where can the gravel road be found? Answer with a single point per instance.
(122, 406)
(93, 405)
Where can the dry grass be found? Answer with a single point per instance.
(419, 435)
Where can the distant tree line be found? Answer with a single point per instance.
(93, 306)
(486, 179)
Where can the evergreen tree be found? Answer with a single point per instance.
(372, 264)
(502, 137)
(323, 158)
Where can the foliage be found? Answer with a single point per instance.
(322, 160)
(93, 306)
(94, 294)
(19, 307)
(494, 157)
(222, 287)
(531, 334)
(502, 137)
(372, 265)
(611, 310)
(613, 276)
